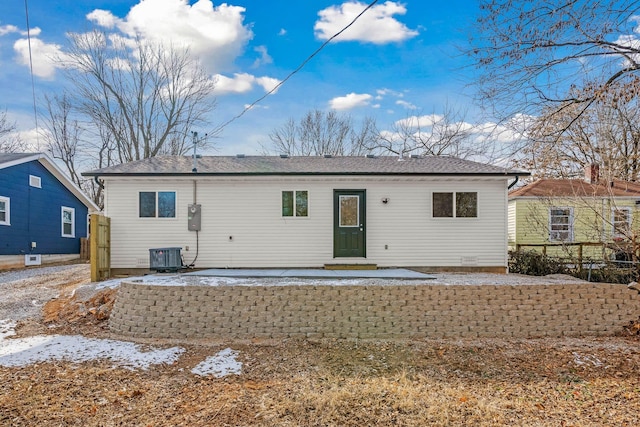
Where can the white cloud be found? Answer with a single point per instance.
(103, 18)
(350, 101)
(8, 29)
(216, 34)
(267, 83)
(377, 25)
(42, 54)
(242, 83)
(384, 92)
(282, 32)
(405, 104)
(420, 121)
(264, 59)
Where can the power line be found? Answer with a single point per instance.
(33, 85)
(276, 87)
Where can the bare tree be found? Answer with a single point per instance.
(63, 134)
(9, 141)
(532, 54)
(446, 134)
(563, 142)
(78, 145)
(146, 97)
(320, 132)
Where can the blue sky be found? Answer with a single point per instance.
(400, 59)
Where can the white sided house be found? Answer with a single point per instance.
(309, 212)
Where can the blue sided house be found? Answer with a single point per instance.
(43, 214)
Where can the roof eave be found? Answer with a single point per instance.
(193, 174)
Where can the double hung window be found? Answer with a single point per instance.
(560, 224)
(68, 222)
(5, 211)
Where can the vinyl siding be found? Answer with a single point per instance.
(242, 223)
(591, 222)
(36, 214)
(511, 222)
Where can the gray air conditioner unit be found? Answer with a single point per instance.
(165, 259)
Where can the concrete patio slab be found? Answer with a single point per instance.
(314, 273)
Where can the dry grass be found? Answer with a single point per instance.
(302, 383)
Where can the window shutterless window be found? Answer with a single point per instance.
(157, 204)
(68, 222)
(5, 211)
(561, 224)
(621, 221)
(295, 203)
(459, 205)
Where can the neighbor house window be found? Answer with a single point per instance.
(561, 224)
(5, 210)
(35, 181)
(295, 203)
(621, 221)
(68, 222)
(157, 204)
(458, 205)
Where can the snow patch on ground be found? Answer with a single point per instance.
(587, 359)
(222, 364)
(7, 328)
(77, 349)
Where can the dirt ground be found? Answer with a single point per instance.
(482, 382)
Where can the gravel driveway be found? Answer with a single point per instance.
(24, 292)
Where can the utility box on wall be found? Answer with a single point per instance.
(194, 217)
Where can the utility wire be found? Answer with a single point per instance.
(276, 87)
(33, 85)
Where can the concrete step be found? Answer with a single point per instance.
(350, 266)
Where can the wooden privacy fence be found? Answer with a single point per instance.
(100, 238)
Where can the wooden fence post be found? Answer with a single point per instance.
(100, 247)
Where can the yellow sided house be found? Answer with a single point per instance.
(308, 212)
(575, 218)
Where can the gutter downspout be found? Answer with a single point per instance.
(515, 181)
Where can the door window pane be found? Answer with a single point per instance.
(349, 212)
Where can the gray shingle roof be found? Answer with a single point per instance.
(318, 165)
(10, 157)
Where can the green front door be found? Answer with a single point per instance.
(349, 226)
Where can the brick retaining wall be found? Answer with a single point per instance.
(372, 312)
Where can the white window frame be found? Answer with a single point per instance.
(156, 216)
(295, 201)
(73, 221)
(555, 237)
(626, 209)
(7, 210)
(35, 181)
(454, 206)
